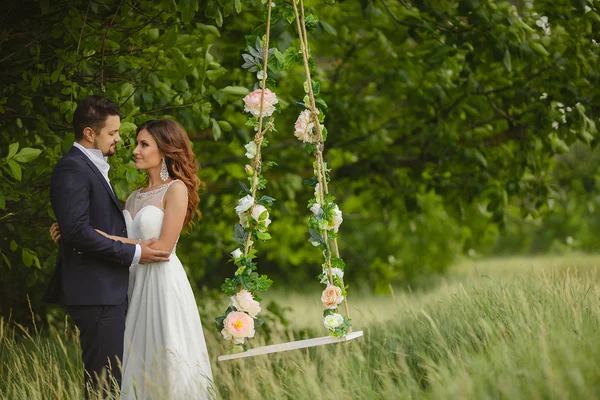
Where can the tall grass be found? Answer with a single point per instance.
(498, 329)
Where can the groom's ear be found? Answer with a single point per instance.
(88, 134)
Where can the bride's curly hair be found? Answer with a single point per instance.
(173, 142)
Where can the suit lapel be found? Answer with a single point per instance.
(99, 175)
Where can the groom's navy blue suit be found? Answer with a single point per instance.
(92, 271)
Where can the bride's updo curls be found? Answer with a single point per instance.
(173, 142)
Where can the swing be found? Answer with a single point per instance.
(342, 332)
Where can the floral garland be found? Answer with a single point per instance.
(327, 216)
(240, 319)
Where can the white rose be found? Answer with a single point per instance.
(244, 220)
(315, 208)
(337, 219)
(244, 204)
(334, 272)
(250, 150)
(257, 210)
(243, 301)
(333, 321)
(237, 253)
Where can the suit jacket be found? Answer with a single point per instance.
(90, 268)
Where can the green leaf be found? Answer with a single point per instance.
(558, 144)
(266, 201)
(35, 82)
(310, 182)
(26, 155)
(188, 9)
(235, 90)
(128, 127)
(315, 237)
(539, 48)
(15, 169)
(12, 150)
(170, 38)
(216, 129)
(328, 28)
(316, 87)
(226, 126)
(27, 257)
(219, 18)
(6, 261)
(480, 158)
(13, 246)
(321, 102)
(2, 201)
(238, 6)
(507, 61)
(263, 235)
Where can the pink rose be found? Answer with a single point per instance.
(252, 103)
(304, 127)
(243, 301)
(238, 326)
(331, 296)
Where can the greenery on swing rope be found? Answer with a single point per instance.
(240, 319)
(327, 217)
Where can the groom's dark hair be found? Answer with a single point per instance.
(92, 111)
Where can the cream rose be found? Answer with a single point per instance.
(238, 326)
(252, 103)
(304, 127)
(250, 150)
(244, 204)
(243, 301)
(331, 296)
(333, 321)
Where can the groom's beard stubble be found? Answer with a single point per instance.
(112, 150)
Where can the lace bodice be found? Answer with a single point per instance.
(144, 213)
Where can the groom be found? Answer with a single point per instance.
(92, 272)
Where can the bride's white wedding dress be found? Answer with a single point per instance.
(165, 355)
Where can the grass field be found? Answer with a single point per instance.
(513, 328)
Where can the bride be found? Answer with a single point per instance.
(165, 354)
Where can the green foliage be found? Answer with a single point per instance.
(439, 119)
(152, 59)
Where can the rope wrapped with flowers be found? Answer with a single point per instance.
(327, 216)
(240, 320)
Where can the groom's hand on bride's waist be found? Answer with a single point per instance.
(151, 255)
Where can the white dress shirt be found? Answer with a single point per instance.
(100, 161)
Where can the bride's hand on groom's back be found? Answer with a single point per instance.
(55, 232)
(150, 255)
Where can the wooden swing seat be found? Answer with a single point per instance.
(300, 344)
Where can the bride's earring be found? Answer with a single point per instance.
(164, 172)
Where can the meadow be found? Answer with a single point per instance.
(507, 328)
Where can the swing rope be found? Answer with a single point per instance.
(258, 138)
(321, 173)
